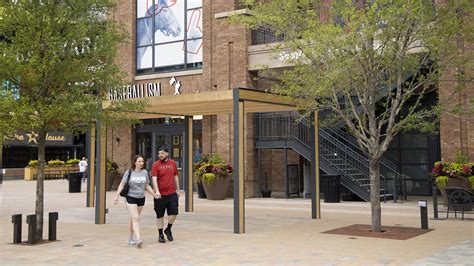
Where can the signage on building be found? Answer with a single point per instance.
(135, 91)
(54, 138)
(143, 90)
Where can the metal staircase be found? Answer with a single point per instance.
(338, 153)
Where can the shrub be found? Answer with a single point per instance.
(471, 181)
(211, 167)
(112, 167)
(441, 181)
(73, 162)
(56, 163)
(32, 163)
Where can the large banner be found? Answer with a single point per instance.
(53, 138)
(169, 33)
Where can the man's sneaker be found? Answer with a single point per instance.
(131, 241)
(139, 243)
(168, 234)
(161, 239)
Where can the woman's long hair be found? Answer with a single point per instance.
(135, 159)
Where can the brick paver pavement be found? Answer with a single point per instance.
(278, 231)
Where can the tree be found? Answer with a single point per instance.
(370, 62)
(60, 55)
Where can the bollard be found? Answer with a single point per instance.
(423, 213)
(31, 221)
(435, 202)
(53, 217)
(16, 220)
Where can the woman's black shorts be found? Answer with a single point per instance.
(168, 203)
(139, 202)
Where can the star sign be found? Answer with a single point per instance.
(32, 137)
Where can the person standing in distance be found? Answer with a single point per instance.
(166, 184)
(83, 168)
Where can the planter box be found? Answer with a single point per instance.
(218, 189)
(49, 172)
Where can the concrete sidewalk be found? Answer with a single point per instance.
(278, 231)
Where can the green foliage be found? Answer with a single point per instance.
(461, 157)
(471, 181)
(361, 50)
(209, 178)
(211, 167)
(62, 57)
(112, 167)
(441, 181)
(73, 161)
(32, 163)
(56, 163)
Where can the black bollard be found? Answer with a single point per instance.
(31, 221)
(423, 213)
(16, 220)
(435, 202)
(53, 217)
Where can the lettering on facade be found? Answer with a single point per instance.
(52, 138)
(135, 91)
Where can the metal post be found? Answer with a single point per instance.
(16, 220)
(435, 202)
(239, 207)
(259, 174)
(53, 217)
(92, 166)
(188, 163)
(31, 221)
(100, 174)
(423, 213)
(315, 197)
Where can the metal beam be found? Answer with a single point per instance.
(100, 174)
(315, 201)
(188, 163)
(90, 153)
(239, 207)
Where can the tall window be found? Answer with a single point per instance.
(169, 35)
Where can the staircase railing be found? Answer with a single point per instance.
(335, 148)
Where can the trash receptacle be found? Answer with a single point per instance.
(331, 188)
(75, 179)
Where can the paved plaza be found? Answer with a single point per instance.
(278, 231)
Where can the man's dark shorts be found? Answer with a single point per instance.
(132, 200)
(168, 203)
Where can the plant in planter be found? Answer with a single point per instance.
(111, 174)
(213, 173)
(56, 163)
(448, 174)
(72, 162)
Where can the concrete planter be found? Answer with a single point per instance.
(218, 189)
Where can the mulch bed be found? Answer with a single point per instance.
(389, 232)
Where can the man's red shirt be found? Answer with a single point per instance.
(165, 172)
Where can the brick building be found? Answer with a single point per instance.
(197, 51)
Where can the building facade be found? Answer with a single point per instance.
(187, 46)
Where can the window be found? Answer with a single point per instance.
(169, 35)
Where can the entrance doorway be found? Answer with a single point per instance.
(155, 133)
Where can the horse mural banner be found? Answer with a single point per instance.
(169, 33)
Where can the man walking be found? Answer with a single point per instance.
(166, 184)
(83, 168)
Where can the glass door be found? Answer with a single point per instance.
(144, 148)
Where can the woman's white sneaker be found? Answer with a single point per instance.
(139, 243)
(131, 241)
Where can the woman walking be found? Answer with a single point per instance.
(139, 181)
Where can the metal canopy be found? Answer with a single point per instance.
(237, 102)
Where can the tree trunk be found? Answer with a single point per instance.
(374, 173)
(40, 184)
